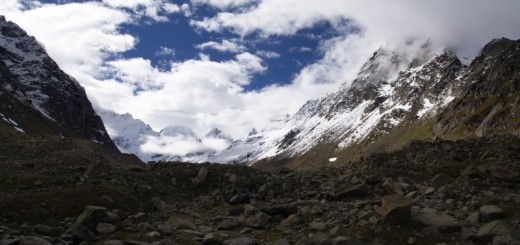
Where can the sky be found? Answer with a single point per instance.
(237, 64)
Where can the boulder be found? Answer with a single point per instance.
(490, 213)
(341, 240)
(92, 216)
(32, 240)
(504, 173)
(258, 220)
(201, 177)
(353, 191)
(240, 199)
(441, 220)
(105, 228)
(440, 180)
(396, 208)
(292, 220)
(339, 231)
(497, 228)
(391, 187)
(241, 241)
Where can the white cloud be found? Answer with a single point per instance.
(165, 51)
(466, 25)
(154, 9)
(268, 54)
(300, 49)
(224, 4)
(223, 46)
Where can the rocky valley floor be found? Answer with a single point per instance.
(66, 192)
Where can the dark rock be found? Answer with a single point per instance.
(81, 233)
(113, 242)
(341, 240)
(32, 240)
(165, 229)
(490, 213)
(258, 220)
(339, 231)
(241, 241)
(392, 188)
(319, 226)
(282, 210)
(504, 174)
(496, 228)
(105, 228)
(282, 241)
(239, 199)
(354, 191)
(228, 224)
(440, 180)
(213, 239)
(91, 216)
(441, 220)
(292, 220)
(163, 242)
(396, 208)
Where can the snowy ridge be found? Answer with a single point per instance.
(390, 87)
(173, 143)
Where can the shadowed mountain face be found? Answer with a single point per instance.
(38, 96)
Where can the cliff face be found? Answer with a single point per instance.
(38, 95)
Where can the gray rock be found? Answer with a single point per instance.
(105, 228)
(239, 199)
(213, 238)
(164, 242)
(497, 228)
(396, 208)
(341, 240)
(292, 220)
(339, 231)
(91, 216)
(179, 222)
(249, 209)
(258, 220)
(282, 241)
(354, 191)
(440, 180)
(441, 220)
(32, 240)
(233, 179)
(113, 242)
(81, 233)
(319, 226)
(165, 229)
(490, 212)
(228, 224)
(504, 174)
(391, 187)
(241, 241)
(201, 177)
(174, 181)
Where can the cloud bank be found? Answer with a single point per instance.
(87, 41)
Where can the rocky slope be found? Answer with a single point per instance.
(396, 98)
(37, 96)
(443, 192)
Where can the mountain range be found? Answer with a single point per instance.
(398, 97)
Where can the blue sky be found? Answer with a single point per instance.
(237, 64)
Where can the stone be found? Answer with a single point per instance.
(339, 231)
(144, 227)
(165, 229)
(497, 228)
(283, 241)
(27, 228)
(470, 171)
(153, 234)
(32, 240)
(241, 241)
(258, 220)
(163, 242)
(201, 177)
(228, 224)
(249, 209)
(319, 238)
(341, 240)
(292, 220)
(396, 208)
(213, 238)
(240, 199)
(38, 183)
(490, 213)
(441, 220)
(504, 174)
(113, 242)
(391, 187)
(174, 181)
(105, 228)
(440, 180)
(81, 233)
(354, 191)
(180, 222)
(91, 216)
(319, 226)
(233, 179)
